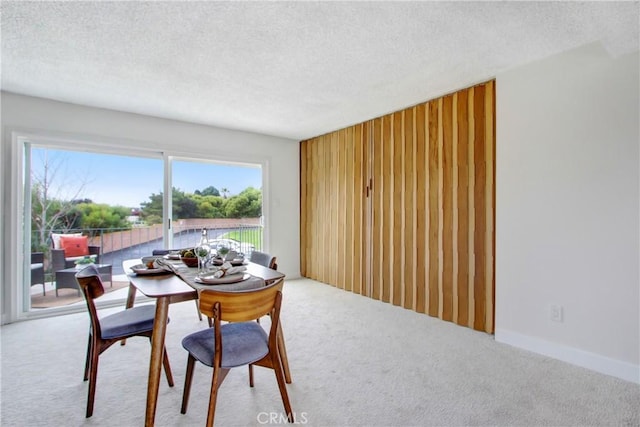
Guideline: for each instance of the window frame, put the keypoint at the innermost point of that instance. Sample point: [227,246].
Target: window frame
[15,232]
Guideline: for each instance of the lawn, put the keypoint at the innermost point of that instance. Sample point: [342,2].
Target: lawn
[253,236]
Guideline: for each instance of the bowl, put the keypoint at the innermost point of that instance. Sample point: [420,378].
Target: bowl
[190,262]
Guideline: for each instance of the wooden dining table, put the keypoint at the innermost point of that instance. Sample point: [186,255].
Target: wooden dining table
[167,289]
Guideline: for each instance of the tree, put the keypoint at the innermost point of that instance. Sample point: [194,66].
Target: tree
[184,206]
[247,204]
[209,191]
[209,206]
[151,211]
[103,216]
[224,192]
[52,195]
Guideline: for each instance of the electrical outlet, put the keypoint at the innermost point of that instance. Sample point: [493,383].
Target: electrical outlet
[555,312]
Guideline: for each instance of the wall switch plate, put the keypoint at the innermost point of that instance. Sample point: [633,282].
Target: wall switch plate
[555,313]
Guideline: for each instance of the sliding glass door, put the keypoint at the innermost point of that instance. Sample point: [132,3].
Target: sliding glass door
[105,204]
[224,199]
[85,206]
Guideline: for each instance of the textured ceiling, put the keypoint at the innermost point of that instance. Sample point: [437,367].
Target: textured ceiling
[290,69]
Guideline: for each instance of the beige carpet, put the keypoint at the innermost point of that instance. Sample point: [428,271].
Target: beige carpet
[354,362]
[67,296]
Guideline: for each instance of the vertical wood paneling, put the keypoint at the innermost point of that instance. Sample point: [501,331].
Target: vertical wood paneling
[397,257]
[348,207]
[447,208]
[387,201]
[377,233]
[434,211]
[479,204]
[358,259]
[421,209]
[409,206]
[425,238]
[490,204]
[462,208]
[341,151]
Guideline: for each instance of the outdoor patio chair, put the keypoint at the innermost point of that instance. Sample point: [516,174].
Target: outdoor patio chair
[240,342]
[104,332]
[61,258]
[37,270]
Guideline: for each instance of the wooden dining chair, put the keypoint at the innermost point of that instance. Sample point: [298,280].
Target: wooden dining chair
[269,261]
[106,331]
[240,342]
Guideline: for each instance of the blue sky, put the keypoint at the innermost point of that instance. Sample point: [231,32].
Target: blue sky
[129,181]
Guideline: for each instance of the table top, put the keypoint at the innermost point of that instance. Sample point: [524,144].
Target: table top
[171,285]
[75,269]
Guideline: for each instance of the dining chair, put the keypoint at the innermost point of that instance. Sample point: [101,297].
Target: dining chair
[240,342]
[37,270]
[106,331]
[269,261]
[263,259]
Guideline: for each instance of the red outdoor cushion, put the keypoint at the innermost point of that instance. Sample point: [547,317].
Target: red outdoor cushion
[74,245]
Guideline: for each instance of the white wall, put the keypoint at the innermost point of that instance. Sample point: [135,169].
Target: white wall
[567,209]
[280,154]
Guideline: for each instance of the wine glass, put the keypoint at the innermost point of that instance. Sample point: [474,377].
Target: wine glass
[202,252]
[223,250]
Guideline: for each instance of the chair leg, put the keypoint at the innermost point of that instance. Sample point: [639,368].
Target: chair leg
[250,375]
[191,361]
[277,368]
[167,367]
[88,360]
[198,310]
[218,376]
[282,350]
[131,299]
[93,375]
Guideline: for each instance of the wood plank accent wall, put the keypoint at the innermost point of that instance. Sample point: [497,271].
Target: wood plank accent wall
[401,208]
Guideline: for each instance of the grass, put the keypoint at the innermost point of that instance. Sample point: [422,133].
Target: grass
[253,237]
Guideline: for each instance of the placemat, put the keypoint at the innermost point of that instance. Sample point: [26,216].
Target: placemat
[188,274]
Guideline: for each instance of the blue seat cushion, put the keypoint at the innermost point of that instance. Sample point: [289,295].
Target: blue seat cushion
[242,343]
[128,322]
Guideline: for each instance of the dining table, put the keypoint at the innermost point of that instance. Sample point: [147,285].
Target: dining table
[178,286]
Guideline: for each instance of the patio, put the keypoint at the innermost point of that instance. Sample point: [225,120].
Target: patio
[70,296]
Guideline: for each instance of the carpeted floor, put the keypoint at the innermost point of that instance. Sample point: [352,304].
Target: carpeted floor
[67,296]
[354,362]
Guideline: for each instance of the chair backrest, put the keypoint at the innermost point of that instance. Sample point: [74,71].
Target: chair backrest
[37,257]
[242,306]
[91,286]
[263,259]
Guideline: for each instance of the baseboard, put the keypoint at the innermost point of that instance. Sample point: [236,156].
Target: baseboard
[595,362]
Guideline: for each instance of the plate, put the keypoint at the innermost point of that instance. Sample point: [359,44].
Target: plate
[232,278]
[142,269]
[235,262]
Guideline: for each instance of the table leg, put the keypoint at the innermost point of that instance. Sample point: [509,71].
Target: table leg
[157,350]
